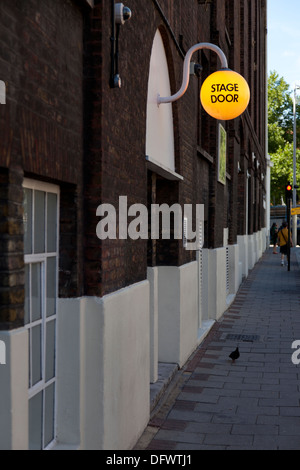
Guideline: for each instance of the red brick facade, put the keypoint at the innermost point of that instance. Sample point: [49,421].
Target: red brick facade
[41,62]
[238,27]
[63,123]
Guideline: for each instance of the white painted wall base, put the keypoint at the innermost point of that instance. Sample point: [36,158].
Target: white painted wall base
[205,285]
[243,254]
[242,258]
[265,239]
[252,257]
[177,312]
[103,348]
[152,275]
[105,361]
[251,249]
[217,283]
[235,277]
[14,391]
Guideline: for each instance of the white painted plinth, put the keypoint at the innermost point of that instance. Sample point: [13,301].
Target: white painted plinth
[14,391]
[177,312]
[103,369]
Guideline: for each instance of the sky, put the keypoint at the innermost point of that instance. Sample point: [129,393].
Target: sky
[284,39]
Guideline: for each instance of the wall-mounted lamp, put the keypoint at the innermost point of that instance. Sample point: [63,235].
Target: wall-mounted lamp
[119,15]
[224,95]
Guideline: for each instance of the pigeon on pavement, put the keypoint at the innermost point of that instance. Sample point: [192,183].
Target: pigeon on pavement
[235,355]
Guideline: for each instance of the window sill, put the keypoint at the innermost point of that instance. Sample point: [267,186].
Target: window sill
[162,170]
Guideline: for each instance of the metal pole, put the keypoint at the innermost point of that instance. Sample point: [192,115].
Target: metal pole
[289,233]
[295,145]
[295,167]
[186,70]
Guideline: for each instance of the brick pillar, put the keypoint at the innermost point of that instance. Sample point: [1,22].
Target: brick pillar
[12,291]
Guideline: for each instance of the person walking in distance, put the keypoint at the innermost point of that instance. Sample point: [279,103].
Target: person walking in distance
[283,235]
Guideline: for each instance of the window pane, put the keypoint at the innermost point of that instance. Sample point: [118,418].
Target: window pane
[51,286]
[27,294]
[50,350]
[35,422]
[49,414]
[36,342]
[51,222]
[27,219]
[36,291]
[39,222]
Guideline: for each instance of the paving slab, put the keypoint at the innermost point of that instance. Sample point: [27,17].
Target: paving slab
[254,403]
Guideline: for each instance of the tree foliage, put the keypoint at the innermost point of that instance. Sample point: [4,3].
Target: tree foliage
[280,129]
[283,172]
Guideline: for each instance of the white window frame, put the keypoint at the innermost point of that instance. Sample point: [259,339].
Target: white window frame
[40,258]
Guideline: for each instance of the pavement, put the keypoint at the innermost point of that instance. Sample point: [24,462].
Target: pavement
[253,403]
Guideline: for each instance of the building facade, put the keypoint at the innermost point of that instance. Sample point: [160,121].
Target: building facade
[90,304]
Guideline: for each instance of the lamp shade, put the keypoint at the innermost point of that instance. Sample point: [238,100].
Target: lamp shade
[225,95]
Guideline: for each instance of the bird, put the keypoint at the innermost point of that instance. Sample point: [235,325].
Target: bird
[235,355]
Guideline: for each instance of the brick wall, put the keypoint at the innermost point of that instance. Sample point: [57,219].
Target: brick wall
[63,123]
[41,51]
[11,248]
[116,125]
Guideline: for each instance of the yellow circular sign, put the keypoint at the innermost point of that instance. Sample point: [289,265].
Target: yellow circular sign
[225,95]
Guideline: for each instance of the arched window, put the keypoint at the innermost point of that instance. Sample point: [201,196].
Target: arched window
[160,131]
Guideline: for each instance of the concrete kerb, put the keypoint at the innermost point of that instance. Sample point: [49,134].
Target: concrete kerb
[166,373]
